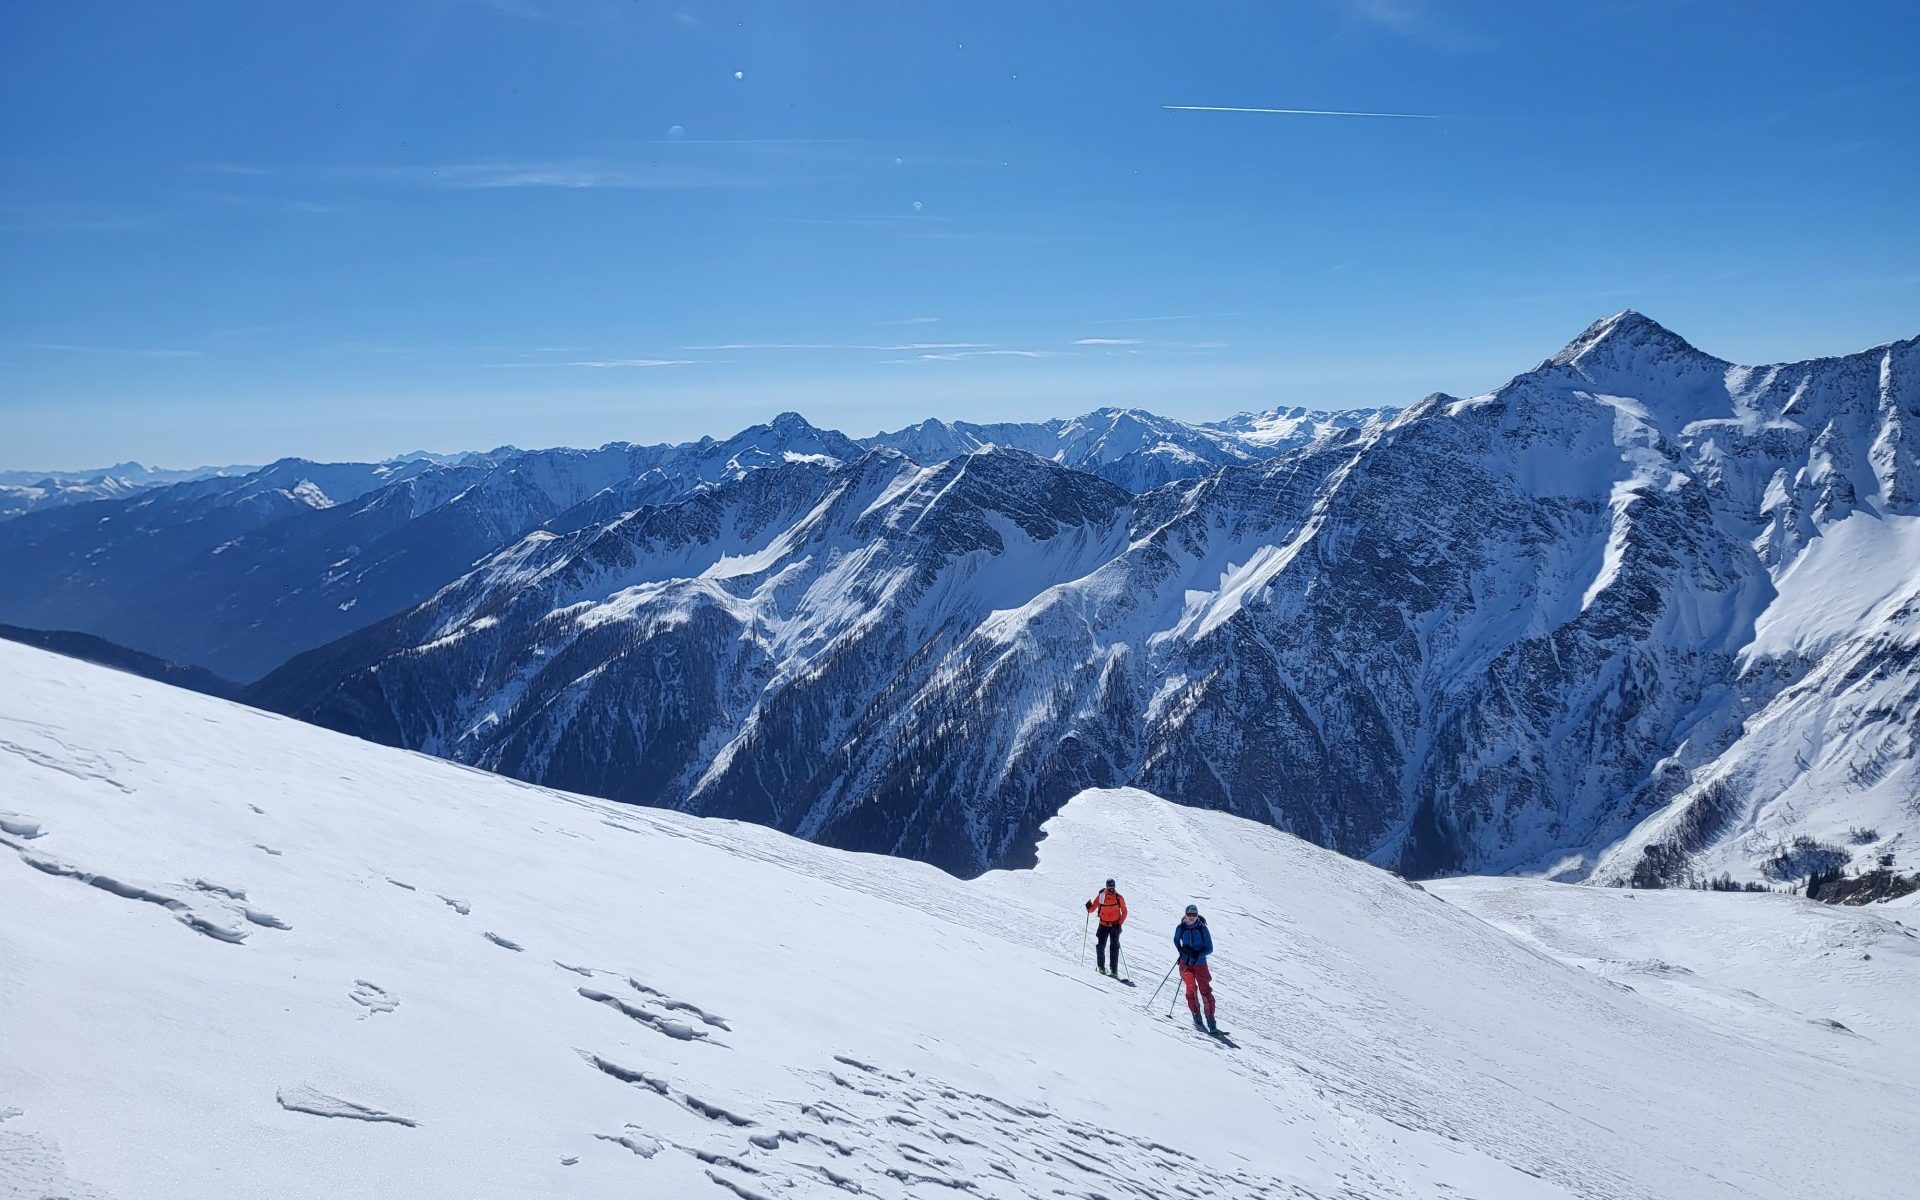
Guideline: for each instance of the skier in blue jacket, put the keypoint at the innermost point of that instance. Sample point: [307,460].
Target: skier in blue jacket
[1194,943]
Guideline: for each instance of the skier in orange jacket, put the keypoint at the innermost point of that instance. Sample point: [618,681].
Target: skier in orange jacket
[1112,908]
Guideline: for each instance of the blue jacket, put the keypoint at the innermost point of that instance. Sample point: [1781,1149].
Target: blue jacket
[1193,942]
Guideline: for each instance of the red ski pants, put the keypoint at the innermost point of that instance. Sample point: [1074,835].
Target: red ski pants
[1197,978]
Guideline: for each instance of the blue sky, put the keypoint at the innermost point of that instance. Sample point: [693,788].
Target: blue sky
[232,231]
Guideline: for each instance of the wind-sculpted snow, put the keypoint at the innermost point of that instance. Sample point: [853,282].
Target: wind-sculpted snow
[303,1098]
[713,1009]
[1596,623]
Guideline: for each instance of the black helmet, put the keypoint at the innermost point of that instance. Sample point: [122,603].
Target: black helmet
[1109,883]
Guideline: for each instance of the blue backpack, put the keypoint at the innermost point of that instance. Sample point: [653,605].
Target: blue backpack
[1194,942]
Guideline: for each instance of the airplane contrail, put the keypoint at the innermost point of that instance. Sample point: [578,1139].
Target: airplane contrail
[1298,112]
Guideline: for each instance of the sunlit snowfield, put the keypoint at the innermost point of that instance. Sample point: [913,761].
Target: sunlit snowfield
[247,957]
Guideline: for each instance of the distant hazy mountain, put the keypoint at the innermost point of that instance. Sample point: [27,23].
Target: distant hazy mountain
[22,492]
[238,574]
[1639,612]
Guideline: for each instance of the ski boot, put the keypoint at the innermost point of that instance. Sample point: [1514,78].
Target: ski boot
[1198,1023]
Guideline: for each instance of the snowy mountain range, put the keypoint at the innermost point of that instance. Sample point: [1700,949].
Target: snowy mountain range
[1135,449]
[1527,631]
[23,492]
[249,957]
[1639,614]
[237,573]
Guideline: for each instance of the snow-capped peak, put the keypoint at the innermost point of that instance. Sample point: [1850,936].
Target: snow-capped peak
[1629,339]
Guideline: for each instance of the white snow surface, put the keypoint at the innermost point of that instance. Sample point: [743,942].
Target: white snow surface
[248,957]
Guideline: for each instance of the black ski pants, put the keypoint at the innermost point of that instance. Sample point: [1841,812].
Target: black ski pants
[1108,933]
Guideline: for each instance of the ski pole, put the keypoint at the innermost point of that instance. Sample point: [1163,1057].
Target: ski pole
[1162,983]
[1083,939]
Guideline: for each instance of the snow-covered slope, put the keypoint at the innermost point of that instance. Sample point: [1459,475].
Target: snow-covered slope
[1823,769]
[87,648]
[1135,449]
[1765,964]
[249,957]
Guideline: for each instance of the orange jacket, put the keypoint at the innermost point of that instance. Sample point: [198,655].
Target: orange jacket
[1111,906]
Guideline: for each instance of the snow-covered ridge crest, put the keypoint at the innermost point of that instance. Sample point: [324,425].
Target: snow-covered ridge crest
[1134,448]
[457,985]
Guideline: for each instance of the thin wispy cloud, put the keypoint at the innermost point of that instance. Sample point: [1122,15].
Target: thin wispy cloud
[913,321]
[641,363]
[767,143]
[1300,112]
[515,8]
[1168,317]
[564,175]
[897,347]
[958,355]
[79,217]
[123,351]
[926,226]
[1416,20]
[676,162]
[525,352]
[269,204]
[610,364]
[1131,345]
[367,348]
